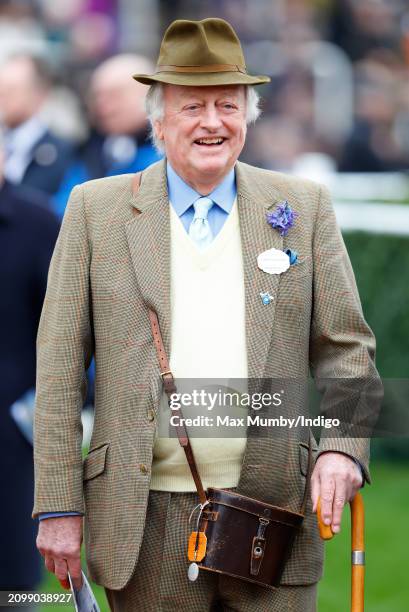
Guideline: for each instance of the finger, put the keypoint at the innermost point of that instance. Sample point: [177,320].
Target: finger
[327,497]
[49,563]
[315,492]
[357,480]
[338,504]
[74,568]
[61,571]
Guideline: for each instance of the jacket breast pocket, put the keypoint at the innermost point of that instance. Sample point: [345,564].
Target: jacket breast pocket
[302,268]
[94,462]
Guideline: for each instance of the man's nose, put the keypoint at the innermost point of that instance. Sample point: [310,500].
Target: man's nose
[210,118]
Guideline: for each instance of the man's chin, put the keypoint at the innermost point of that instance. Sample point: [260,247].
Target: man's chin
[212,166]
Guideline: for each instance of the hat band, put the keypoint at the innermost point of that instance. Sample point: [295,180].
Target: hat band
[208,68]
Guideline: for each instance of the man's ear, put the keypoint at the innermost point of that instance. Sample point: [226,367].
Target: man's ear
[157,126]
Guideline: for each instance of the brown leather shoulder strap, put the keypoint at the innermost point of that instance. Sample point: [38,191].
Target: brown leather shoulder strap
[308,478]
[170,388]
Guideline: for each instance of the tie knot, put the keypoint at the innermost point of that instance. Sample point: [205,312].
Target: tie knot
[202,207]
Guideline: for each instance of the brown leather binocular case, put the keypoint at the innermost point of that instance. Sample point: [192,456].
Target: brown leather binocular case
[246,538]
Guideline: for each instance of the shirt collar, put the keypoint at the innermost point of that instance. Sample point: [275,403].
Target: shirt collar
[182,195]
[23,137]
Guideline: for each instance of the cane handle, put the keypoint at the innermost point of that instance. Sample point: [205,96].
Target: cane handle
[325,530]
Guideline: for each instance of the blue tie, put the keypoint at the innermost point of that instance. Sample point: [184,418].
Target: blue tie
[200,230]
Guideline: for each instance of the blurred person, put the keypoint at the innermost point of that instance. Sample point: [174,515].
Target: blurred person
[372,145]
[185,246]
[93,36]
[20,28]
[16,10]
[28,232]
[118,142]
[35,157]
[361,26]
[276,142]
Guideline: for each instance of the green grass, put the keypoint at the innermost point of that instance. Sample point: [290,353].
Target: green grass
[387,540]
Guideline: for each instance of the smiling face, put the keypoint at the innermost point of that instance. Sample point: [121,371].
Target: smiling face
[203,131]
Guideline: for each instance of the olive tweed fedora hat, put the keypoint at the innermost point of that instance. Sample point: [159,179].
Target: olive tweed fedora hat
[206,52]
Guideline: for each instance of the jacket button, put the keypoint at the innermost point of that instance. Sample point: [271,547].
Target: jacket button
[143,468]
[151,415]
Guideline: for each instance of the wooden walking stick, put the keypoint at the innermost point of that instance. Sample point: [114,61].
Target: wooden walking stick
[358,549]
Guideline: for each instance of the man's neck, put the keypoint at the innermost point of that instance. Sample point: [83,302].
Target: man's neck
[203,186]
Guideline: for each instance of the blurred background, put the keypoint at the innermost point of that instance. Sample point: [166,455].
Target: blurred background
[336,111]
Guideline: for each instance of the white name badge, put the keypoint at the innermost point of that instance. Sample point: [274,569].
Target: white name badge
[273,261]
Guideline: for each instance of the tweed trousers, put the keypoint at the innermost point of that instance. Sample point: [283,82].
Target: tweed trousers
[160,584]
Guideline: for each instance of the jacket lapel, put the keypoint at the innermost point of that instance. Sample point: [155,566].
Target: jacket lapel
[148,235]
[257,236]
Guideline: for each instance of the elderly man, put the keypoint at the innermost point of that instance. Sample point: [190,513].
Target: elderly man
[186,246]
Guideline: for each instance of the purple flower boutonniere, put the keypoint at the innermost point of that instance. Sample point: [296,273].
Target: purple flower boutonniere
[282,218]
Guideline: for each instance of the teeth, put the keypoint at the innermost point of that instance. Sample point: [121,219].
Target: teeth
[210,140]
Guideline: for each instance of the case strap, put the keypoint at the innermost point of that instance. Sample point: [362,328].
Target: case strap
[170,388]
[307,479]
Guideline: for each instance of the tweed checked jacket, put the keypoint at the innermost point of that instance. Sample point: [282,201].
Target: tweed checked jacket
[109,266]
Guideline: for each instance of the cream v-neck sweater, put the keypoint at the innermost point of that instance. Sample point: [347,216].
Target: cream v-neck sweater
[207,342]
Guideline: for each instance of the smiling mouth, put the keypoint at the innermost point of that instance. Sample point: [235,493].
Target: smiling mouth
[210,142]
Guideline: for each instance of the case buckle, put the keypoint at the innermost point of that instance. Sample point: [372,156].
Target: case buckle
[258,547]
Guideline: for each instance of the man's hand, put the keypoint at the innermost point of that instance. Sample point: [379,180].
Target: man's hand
[59,541]
[336,479]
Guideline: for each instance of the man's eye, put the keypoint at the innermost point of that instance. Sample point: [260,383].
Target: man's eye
[192,107]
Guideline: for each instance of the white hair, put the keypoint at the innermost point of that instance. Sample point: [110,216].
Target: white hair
[155,109]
